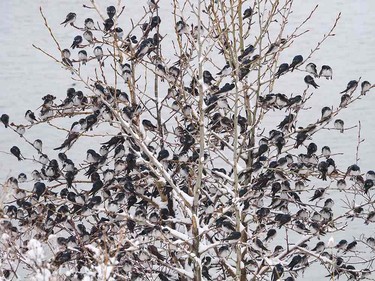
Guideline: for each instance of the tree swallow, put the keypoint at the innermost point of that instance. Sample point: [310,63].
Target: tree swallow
[326,72]
[82,56]
[76,42]
[70,19]
[89,23]
[89,37]
[365,87]
[350,88]
[297,61]
[111,11]
[247,13]
[283,68]
[311,68]
[16,152]
[98,53]
[108,24]
[29,115]
[339,125]
[310,81]
[5,120]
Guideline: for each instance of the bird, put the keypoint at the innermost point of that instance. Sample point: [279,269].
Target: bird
[38,144]
[88,36]
[353,170]
[351,245]
[147,124]
[144,47]
[70,19]
[207,77]
[326,113]
[82,56]
[235,235]
[5,120]
[16,152]
[283,68]
[311,68]
[271,233]
[98,53]
[350,88]
[295,261]
[319,247]
[89,23]
[297,61]
[76,42]
[370,218]
[309,80]
[247,13]
[181,27]
[277,272]
[326,151]
[345,99]
[30,116]
[275,47]
[225,89]
[108,24]
[317,194]
[111,11]
[163,154]
[342,244]
[365,87]
[339,125]
[326,72]
[246,53]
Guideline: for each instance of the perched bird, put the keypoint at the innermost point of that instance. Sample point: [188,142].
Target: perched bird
[271,233]
[311,68]
[38,144]
[70,19]
[98,53]
[82,56]
[295,261]
[283,68]
[225,89]
[235,235]
[326,113]
[147,124]
[351,246]
[88,36]
[108,24]
[89,23]
[76,42]
[353,170]
[297,61]
[342,244]
[345,99]
[317,194]
[163,154]
[277,272]
[309,80]
[16,152]
[319,247]
[29,115]
[5,120]
[181,27]
[326,72]
[275,47]
[246,53]
[226,70]
[247,13]
[111,11]
[144,48]
[207,77]
[350,88]
[365,87]
[339,125]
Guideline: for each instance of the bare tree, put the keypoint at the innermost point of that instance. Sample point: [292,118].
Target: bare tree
[192,174]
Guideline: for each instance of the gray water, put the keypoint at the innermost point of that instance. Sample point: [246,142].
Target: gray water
[26,74]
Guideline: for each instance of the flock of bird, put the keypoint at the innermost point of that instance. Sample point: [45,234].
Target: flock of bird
[137,218]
